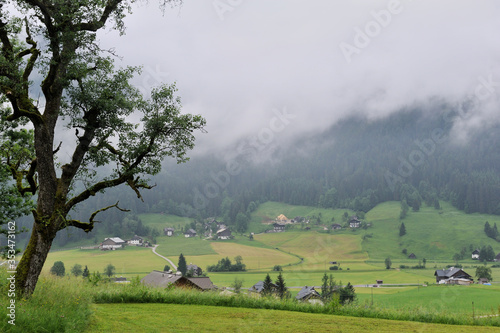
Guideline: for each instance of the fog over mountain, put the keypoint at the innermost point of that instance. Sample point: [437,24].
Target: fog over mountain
[239,63]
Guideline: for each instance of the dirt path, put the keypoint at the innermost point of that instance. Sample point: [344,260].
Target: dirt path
[169,261]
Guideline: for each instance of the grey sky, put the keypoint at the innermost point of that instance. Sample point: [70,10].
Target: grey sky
[236,60]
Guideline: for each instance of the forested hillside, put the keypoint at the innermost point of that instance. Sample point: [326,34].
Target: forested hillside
[411,156]
[356,164]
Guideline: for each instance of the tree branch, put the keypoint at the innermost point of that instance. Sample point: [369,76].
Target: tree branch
[111,6]
[88,226]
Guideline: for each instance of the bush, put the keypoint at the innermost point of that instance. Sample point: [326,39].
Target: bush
[277,268]
[334,268]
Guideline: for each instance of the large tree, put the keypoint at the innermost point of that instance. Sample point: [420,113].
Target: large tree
[61,82]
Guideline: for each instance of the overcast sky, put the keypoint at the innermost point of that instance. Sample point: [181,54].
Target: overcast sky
[241,62]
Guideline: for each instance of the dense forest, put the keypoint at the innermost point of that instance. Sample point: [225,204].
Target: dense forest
[410,156]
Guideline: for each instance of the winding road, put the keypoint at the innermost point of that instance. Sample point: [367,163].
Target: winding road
[159,255]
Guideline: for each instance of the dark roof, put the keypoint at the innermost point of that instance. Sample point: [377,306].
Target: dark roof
[190,232]
[120,279]
[192,266]
[475,252]
[412,256]
[160,279]
[498,257]
[136,238]
[306,293]
[202,282]
[224,232]
[163,279]
[259,286]
[279,225]
[169,229]
[452,272]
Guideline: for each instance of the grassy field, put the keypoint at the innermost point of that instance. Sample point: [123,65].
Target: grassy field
[316,249]
[130,261]
[430,233]
[454,299]
[194,318]
[254,258]
[161,221]
[174,246]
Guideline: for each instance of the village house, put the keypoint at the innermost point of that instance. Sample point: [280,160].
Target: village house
[120,279]
[412,256]
[336,226]
[482,281]
[224,234]
[452,276]
[354,222]
[220,225]
[475,255]
[136,240]
[163,280]
[112,243]
[259,286]
[282,218]
[190,233]
[497,258]
[193,270]
[169,232]
[279,227]
[307,293]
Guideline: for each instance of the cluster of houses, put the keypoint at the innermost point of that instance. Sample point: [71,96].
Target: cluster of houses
[282,221]
[113,243]
[203,283]
[222,232]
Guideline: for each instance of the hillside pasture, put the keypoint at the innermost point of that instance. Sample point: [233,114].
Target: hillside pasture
[430,233]
[174,246]
[317,249]
[270,210]
[161,221]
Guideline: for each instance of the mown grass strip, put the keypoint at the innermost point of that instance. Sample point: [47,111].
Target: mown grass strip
[197,318]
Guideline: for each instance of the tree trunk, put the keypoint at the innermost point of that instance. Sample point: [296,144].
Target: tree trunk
[31,263]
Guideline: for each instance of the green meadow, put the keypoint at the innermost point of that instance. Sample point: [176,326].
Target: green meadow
[430,233]
[437,298]
[130,261]
[161,221]
[195,318]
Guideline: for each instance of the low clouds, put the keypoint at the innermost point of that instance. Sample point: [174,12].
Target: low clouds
[236,61]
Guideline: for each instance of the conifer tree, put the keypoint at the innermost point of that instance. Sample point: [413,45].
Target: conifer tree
[268,287]
[86,272]
[182,266]
[281,289]
[402,230]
